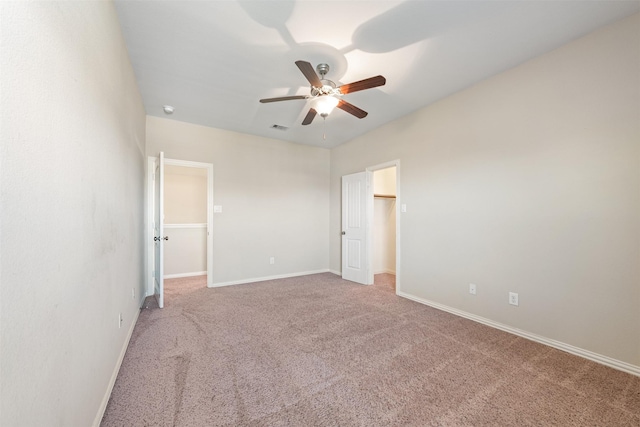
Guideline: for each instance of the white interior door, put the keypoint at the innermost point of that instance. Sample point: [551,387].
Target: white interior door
[158,231]
[355,209]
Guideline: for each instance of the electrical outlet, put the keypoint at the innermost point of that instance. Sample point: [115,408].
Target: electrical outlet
[472,288]
[119,320]
[513,298]
[272,260]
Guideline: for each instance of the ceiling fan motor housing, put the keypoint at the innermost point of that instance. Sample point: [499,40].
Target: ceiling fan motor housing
[328,88]
[322,69]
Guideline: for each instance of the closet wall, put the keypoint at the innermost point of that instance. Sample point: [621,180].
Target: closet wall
[185,221]
[384,221]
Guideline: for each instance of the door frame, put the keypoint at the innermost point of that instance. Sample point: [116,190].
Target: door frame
[372,169]
[149,261]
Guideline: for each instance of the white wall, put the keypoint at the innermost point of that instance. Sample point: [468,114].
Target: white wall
[384,181]
[185,253]
[73,131]
[274,196]
[185,195]
[384,236]
[527,182]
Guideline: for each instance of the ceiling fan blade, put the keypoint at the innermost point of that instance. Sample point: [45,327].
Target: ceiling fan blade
[309,73]
[352,109]
[309,117]
[284,98]
[363,84]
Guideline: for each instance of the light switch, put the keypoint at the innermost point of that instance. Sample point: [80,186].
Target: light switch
[217,208]
[403,207]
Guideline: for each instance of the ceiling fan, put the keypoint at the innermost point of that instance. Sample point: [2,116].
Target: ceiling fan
[325,95]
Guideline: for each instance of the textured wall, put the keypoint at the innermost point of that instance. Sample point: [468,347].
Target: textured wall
[527,182]
[72,170]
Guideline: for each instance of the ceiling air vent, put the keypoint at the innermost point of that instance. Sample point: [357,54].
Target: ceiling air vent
[279,127]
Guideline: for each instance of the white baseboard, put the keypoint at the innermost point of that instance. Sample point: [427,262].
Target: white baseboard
[177,276]
[263,279]
[114,375]
[339,273]
[595,357]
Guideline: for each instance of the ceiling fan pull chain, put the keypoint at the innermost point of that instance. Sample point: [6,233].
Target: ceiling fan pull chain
[324,123]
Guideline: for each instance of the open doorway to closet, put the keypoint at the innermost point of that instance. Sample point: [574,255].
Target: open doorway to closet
[384,221]
[371,225]
[384,227]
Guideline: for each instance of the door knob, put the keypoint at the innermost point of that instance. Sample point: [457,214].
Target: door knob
[344,232]
[166,237]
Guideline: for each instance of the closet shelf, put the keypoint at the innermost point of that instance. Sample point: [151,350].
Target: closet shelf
[384,196]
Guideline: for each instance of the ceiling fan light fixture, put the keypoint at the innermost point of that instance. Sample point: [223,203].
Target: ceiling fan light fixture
[324,105]
[325,95]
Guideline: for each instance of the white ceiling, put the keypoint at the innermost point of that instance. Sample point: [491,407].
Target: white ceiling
[213,60]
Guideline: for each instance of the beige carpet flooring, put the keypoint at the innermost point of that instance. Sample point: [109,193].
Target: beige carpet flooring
[320,351]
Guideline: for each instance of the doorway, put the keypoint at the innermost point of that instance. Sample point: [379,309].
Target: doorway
[185,225]
[187,222]
[362,257]
[384,228]
[384,221]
